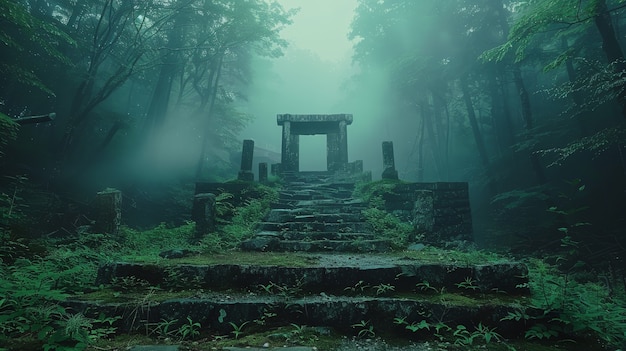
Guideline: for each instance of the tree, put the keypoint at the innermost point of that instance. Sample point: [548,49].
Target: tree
[27,43]
[120,39]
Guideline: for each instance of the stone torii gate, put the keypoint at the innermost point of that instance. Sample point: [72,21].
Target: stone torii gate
[334,126]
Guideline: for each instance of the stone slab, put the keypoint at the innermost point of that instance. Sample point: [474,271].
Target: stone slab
[330,273]
[252,348]
[338,312]
[155,348]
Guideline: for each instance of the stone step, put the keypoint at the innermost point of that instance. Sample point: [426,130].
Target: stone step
[216,312]
[291,243]
[329,273]
[316,227]
[302,215]
[342,246]
[323,236]
[315,235]
[317,209]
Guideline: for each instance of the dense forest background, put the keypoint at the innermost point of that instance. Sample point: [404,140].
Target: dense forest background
[525,100]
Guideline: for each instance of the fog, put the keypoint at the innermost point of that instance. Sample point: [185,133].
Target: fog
[314,76]
[464,94]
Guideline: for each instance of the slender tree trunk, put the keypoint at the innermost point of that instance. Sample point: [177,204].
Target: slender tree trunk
[170,67]
[214,85]
[420,149]
[527,116]
[577,96]
[478,137]
[612,49]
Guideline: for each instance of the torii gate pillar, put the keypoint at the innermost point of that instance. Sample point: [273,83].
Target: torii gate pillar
[335,128]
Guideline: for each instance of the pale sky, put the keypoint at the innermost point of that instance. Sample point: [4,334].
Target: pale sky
[321,26]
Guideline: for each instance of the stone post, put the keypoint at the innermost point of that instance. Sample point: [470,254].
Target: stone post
[263,172]
[389,164]
[343,143]
[290,153]
[332,152]
[203,213]
[108,206]
[245,173]
[275,169]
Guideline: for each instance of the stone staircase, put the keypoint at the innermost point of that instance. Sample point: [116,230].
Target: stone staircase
[314,262]
[316,213]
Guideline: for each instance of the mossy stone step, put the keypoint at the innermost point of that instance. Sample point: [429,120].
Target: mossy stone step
[284,215]
[321,236]
[316,227]
[342,246]
[215,313]
[279,243]
[330,273]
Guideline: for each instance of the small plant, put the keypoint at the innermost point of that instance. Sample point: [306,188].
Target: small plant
[365,329]
[468,284]
[541,331]
[189,330]
[462,336]
[426,287]
[265,317]
[414,327]
[439,327]
[359,287]
[486,334]
[382,289]
[163,329]
[237,329]
[400,320]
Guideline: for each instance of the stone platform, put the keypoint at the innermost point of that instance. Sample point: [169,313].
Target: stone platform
[331,290]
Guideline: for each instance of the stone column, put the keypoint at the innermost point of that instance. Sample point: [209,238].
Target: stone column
[203,213]
[332,151]
[389,164]
[275,169]
[245,173]
[343,143]
[108,211]
[290,155]
[263,172]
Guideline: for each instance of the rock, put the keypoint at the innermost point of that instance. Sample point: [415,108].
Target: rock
[416,247]
[155,348]
[260,243]
[176,253]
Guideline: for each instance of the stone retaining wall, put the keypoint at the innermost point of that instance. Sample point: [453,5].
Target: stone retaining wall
[440,211]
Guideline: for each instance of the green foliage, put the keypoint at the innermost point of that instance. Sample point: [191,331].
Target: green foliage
[238,222]
[8,131]
[151,242]
[29,296]
[559,17]
[467,284]
[237,329]
[12,204]
[571,307]
[514,199]
[389,226]
[596,145]
[364,329]
[189,330]
[26,35]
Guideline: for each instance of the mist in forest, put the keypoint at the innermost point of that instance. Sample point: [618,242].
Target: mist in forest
[151,96]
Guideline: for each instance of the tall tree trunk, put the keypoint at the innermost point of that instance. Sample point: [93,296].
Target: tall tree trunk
[611,48]
[214,86]
[524,97]
[420,149]
[170,67]
[577,96]
[527,116]
[478,137]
